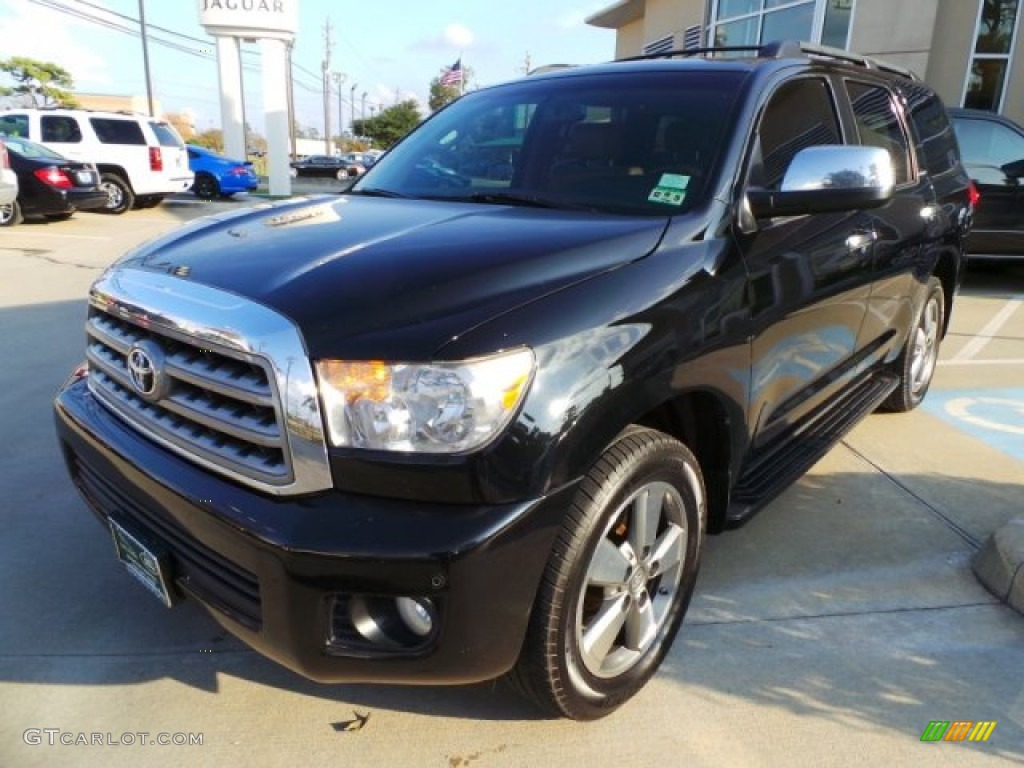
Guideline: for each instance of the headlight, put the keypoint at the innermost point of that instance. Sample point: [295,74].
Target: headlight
[423,408]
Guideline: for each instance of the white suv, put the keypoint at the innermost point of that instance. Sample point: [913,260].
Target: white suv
[141,159]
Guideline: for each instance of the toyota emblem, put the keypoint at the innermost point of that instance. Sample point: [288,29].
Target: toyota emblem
[145,368]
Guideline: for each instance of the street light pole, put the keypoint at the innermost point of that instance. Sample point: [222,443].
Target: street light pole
[145,56]
[362,110]
[352,102]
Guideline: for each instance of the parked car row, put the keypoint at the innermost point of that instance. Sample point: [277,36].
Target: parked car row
[48,184]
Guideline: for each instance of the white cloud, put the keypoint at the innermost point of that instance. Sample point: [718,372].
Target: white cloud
[458,36]
[45,35]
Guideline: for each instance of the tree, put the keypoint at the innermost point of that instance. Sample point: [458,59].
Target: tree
[390,124]
[44,82]
[211,139]
[441,94]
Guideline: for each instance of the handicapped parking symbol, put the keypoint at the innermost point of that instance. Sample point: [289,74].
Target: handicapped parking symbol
[1002,414]
[995,416]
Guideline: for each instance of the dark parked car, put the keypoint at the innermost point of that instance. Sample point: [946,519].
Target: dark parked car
[457,423]
[49,184]
[993,153]
[328,166]
[219,176]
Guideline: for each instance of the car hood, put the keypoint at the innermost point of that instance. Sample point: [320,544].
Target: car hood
[391,278]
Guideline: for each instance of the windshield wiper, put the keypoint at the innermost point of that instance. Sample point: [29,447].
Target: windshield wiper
[513,198]
[375,192]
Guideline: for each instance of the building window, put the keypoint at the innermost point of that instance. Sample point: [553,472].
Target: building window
[756,22]
[993,49]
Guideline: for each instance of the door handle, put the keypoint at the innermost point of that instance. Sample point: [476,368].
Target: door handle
[861,239]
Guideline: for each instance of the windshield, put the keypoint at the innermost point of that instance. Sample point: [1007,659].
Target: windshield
[630,143]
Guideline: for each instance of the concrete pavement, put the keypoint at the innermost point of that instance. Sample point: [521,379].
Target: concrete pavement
[831,630]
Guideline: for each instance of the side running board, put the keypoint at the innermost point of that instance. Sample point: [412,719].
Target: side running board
[773,469]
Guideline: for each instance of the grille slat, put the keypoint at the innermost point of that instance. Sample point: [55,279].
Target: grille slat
[217,407]
[215,580]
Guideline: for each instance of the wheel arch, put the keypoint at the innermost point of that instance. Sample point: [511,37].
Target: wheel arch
[949,269]
[118,170]
[700,420]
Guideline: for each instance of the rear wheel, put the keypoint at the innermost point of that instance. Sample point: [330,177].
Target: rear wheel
[119,193]
[619,579]
[10,214]
[916,364]
[205,186]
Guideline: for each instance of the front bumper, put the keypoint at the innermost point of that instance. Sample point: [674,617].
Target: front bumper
[270,569]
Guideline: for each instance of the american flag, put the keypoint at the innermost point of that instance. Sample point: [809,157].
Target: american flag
[453,74]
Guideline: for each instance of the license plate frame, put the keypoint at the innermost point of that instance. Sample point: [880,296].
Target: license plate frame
[149,563]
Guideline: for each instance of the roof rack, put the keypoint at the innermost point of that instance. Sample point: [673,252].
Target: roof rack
[785,49]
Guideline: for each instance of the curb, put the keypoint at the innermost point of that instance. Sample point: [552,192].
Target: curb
[999,565]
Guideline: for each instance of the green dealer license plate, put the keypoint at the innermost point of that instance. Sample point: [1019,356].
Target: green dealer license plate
[145,562]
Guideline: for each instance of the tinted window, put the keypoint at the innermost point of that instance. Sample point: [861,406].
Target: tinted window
[799,115]
[628,143]
[60,128]
[113,131]
[878,125]
[986,142]
[166,135]
[934,133]
[14,125]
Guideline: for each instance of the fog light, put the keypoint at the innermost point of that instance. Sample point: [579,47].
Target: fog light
[417,614]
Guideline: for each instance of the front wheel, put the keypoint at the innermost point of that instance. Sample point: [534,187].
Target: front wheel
[916,364]
[619,578]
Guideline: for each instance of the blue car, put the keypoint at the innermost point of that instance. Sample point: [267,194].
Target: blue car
[219,176]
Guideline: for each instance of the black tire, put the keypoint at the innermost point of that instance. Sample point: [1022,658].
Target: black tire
[916,363]
[205,187]
[10,215]
[120,197]
[143,202]
[569,667]
[59,216]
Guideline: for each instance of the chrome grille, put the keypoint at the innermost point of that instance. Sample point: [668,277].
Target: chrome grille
[219,405]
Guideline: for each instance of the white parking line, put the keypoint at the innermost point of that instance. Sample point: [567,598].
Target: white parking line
[997,361]
[54,234]
[985,335]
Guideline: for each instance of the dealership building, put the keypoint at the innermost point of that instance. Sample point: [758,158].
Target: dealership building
[966,49]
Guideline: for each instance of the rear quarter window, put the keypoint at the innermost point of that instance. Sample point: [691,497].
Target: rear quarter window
[60,128]
[166,135]
[115,131]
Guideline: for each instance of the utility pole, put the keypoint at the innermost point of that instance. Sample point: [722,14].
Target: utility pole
[352,103]
[362,109]
[328,45]
[339,78]
[145,56]
[526,64]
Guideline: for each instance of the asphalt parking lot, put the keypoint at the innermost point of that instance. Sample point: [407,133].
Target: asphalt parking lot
[831,630]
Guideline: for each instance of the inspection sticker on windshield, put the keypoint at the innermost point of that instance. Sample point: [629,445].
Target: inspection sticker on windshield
[671,189]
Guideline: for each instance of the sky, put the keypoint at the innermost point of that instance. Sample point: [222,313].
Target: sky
[388,49]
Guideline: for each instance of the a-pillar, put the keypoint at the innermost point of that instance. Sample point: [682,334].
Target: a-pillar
[229,71]
[275,110]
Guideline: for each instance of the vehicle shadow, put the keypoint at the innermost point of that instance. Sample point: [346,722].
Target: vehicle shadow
[801,611]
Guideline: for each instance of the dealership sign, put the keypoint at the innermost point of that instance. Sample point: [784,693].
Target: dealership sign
[250,18]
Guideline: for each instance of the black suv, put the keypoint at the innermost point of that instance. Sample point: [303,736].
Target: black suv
[476,415]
